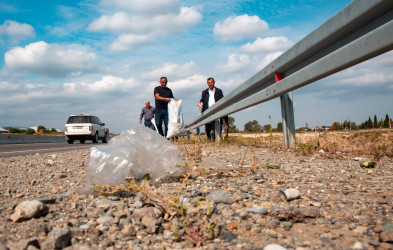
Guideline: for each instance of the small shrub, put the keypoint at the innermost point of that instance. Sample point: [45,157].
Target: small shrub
[30,131]
[14,131]
[305,148]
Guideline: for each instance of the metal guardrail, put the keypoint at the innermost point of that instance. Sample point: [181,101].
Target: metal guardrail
[360,31]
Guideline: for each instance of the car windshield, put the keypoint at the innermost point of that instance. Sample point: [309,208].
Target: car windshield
[79,119]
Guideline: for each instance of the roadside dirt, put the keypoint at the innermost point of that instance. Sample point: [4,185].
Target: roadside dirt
[230,199]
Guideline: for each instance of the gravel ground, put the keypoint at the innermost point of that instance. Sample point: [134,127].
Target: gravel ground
[230,200]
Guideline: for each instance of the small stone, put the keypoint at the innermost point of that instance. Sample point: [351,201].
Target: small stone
[220,197]
[20,195]
[128,230]
[149,212]
[229,236]
[386,237]
[149,221]
[274,247]
[58,238]
[105,220]
[120,214]
[352,226]
[257,210]
[387,227]
[357,245]
[360,230]
[310,212]
[243,215]
[288,214]
[27,210]
[287,225]
[324,239]
[84,226]
[105,203]
[273,234]
[124,221]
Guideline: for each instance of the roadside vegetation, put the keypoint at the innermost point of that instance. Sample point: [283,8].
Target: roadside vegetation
[254,126]
[41,130]
[375,143]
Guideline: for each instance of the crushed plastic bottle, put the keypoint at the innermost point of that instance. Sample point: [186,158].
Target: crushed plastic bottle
[133,153]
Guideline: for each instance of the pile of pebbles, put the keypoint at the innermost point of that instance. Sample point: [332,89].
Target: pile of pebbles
[231,200]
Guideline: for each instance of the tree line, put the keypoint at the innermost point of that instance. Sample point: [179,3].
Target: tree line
[369,123]
[254,126]
[40,130]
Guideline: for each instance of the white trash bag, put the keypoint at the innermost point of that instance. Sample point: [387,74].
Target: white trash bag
[133,153]
[175,119]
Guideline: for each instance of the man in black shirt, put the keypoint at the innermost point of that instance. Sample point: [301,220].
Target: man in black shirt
[162,95]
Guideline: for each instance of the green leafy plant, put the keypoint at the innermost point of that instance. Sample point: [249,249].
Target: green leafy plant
[146,177]
[272,166]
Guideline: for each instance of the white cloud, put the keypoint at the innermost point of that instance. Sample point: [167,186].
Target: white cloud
[130,41]
[164,24]
[139,28]
[240,27]
[110,83]
[6,86]
[196,81]
[50,59]
[119,22]
[236,63]
[171,70]
[16,31]
[261,62]
[367,79]
[268,44]
[106,84]
[151,7]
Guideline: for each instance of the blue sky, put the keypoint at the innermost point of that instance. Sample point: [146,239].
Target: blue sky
[105,58]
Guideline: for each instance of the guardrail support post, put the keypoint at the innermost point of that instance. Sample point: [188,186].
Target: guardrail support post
[217,130]
[288,121]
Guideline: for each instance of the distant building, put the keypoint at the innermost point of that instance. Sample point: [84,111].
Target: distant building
[2,130]
[35,128]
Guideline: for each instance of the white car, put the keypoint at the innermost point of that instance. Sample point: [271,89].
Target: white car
[85,127]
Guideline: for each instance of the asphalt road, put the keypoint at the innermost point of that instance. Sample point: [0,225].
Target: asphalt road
[32,148]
